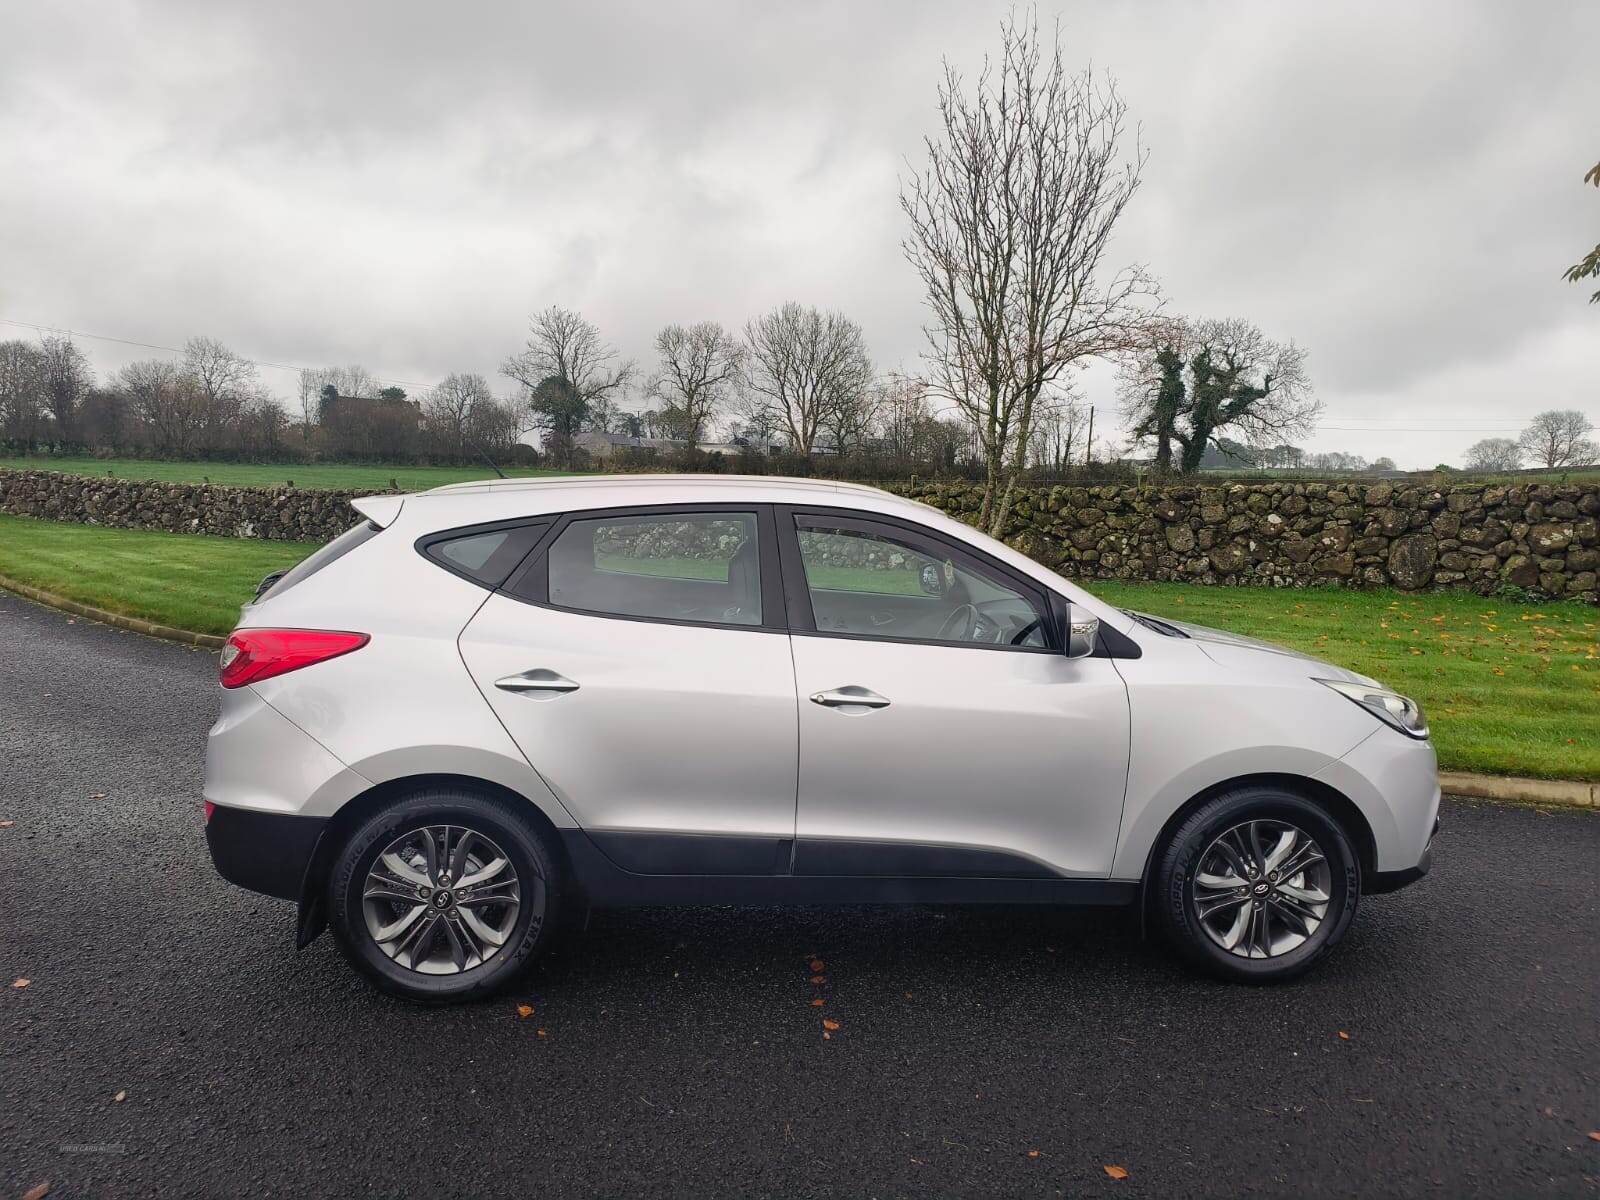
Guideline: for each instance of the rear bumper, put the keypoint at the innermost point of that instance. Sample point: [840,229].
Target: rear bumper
[264,851]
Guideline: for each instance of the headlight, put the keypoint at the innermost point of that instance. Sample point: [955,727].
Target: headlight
[1404,713]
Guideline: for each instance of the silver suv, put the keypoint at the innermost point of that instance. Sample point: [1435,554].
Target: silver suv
[490,702]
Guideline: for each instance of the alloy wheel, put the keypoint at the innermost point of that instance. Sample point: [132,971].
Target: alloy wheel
[442,899]
[1262,889]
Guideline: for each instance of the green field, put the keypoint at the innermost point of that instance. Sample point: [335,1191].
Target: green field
[332,476]
[1509,688]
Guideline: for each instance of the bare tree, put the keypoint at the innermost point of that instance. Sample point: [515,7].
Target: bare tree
[1059,431]
[21,394]
[164,397]
[1185,383]
[565,369]
[700,366]
[67,377]
[226,384]
[451,409]
[1010,221]
[802,362]
[1588,267]
[1494,454]
[1560,438]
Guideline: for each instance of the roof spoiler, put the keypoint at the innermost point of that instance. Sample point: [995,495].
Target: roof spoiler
[380,510]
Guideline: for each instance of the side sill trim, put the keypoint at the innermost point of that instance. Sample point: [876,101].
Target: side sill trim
[605,885]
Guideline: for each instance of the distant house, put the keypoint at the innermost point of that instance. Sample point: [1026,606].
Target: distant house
[601,446]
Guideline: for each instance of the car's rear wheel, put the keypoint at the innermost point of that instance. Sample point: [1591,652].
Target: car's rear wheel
[446,895]
[1257,885]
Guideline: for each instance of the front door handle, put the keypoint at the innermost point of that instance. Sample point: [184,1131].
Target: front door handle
[536,682]
[849,696]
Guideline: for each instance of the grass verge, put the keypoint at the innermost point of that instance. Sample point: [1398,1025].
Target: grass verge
[331,476]
[188,581]
[1510,689]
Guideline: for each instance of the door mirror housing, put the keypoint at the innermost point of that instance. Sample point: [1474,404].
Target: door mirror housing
[1078,631]
[1083,632]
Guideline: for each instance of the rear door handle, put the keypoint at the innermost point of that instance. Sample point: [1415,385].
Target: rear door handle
[536,682]
[849,696]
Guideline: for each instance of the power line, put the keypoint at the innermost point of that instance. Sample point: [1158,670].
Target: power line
[259,362]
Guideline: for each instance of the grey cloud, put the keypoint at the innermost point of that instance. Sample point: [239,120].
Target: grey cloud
[1395,186]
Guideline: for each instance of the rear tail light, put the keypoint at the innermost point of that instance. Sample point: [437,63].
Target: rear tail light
[210,808]
[252,655]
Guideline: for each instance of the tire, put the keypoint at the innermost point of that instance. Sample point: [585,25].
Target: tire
[447,953]
[1199,904]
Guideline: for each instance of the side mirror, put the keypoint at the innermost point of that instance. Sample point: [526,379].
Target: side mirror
[932,580]
[1079,630]
[1083,632]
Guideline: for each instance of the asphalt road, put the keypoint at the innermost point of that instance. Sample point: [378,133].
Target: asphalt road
[979,1051]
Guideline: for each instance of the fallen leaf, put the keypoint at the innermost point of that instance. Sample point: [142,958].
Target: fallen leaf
[543,1032]
[524,1011]
[827,1037]
[819,979]
[816,965]
[119,1097]
[1343,1036]
[1033,1154]
[829,1025]
[97,795]
[1594,1135]
[20,983]
[6,824]
[818,1002]
[37,1192]
[1115,1171]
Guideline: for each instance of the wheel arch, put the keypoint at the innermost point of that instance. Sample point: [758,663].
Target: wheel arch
[1339,806]
[313,917]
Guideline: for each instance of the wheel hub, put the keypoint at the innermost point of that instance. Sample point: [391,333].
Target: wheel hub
[1261,889]
[442,899]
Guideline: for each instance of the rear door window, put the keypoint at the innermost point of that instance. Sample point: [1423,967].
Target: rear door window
[702,567]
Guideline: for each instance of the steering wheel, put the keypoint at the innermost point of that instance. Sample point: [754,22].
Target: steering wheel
[1022,634]
[959,625]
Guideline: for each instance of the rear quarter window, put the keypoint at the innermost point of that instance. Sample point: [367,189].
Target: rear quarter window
[485,554]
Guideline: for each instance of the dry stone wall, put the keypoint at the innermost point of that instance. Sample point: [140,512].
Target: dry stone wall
[1540,538]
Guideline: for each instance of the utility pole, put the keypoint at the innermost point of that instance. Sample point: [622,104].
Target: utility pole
[1088,451]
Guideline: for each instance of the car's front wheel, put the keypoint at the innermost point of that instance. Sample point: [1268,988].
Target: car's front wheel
[444,896]
[1257,885]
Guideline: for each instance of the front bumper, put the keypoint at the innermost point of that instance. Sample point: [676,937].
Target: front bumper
[1392,881]
[266,852]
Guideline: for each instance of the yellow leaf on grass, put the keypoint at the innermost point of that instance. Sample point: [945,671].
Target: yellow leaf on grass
[524,1011]
[1116,1172]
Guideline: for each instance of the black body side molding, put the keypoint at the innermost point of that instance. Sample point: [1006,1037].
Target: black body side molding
[607,885]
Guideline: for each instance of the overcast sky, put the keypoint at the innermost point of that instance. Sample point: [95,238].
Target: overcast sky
[1396,186]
